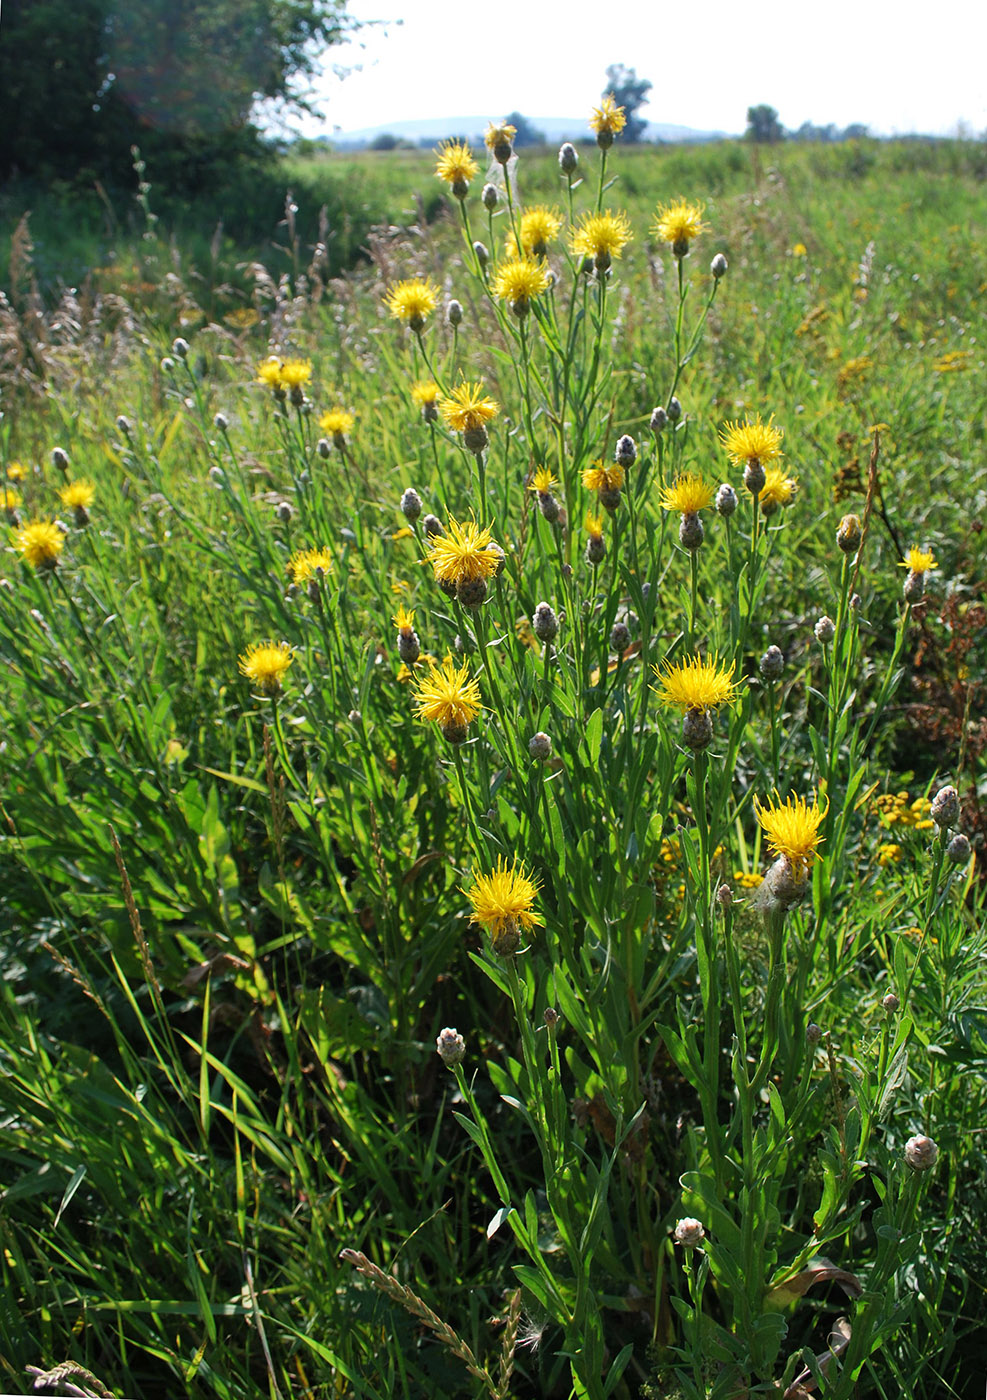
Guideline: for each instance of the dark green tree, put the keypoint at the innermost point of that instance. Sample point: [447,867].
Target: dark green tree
[527,135]
[630,92]
[83,80]
[763,125]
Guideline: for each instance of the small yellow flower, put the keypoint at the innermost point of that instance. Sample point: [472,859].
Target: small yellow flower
[499,136]
[77,495]
[456,165]
[404,619]
[778,490]
[40,542]
[747,879]
[295,374]
[462,554]
[269,373]
[336,424]
[466,409]
[601,236]
[542,480]
[601,477]
[241,318]
[919,561]
[308,563]
[16,471]
[593,525]
[519,280]
[889,853]
[792,829]
[503,904]
[424,393]
[688,494]
[608,119]
[540,226]
[10,500]
[799,251]
[264,665]
[449,697]
[752,442]
[412,302]
[678,224]
[696,684]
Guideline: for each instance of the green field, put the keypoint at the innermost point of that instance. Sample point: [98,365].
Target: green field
[712,955]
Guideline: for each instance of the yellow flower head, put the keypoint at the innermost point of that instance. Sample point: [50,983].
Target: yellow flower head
[295,374]
[269,373]
[10,499]
[336,424]
[449,697]
[519,280]
[40,542]
[543,480]
[678,224]
[77,495]
[503,904]
[792,829]
[778,490]
[608,118]
[424,393]
[456,164]
[308,563]
[688,494]
[599,477]
[264,665]
[593,525]
[16,471]
[499,135]
[919,561]
[540,226]
[462,554]
[696,684]
[241,318]
[466,408]
[412,302]
[404,619]
[601,236]
[752,442]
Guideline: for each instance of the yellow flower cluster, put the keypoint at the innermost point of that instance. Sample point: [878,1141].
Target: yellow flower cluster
[898,809]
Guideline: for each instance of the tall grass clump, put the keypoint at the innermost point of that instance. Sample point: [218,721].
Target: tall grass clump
[491,790]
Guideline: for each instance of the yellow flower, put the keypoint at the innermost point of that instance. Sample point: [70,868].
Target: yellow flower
[792,829]
[919,561]
[497,137]
[539,227]
[519,280]
[264,665]
[747,879]
[696,684]
[601,236]
[424,393]
[404,619]
[307,563]
[412,302]
[542,480]
[503,904]
[10,500]
[16,471]
[778,490]
[465,410]
[40,542]
[295,374]
[456,165]
[598,477]
[608,119]
[688,494]
[889,853]
[336,424]
[593,525]
[448,696]
[242,317]
[77,495]
[269,373]
[678,224]
[752,442]
[799,251]
[462,554]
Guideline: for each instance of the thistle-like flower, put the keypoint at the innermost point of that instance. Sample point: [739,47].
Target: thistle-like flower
[540,226]
[753,445]
[448,696]
[40,542]
[499,141]
[698,686]
[456,166]
[678,224]
[309,564]
[778,490]
[918,562]
[518,281]
[601,237]
[409,646]
[264,664]
[337,423]
[607,120]
[793,836]
[463,559]
[467,410]
[412,301]
[503,904]
[425,394]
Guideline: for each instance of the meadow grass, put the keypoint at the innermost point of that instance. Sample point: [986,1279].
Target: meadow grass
[656,860]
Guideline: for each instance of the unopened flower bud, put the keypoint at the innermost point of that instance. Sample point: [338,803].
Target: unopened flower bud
[620,637]
[471,592]
[217,475]
[692,532]
[689,1232]
[626,451]
[596,550]
[825,630]
[454,313]
[283,512]
[355,717]
[659,420]
[551,1017]
[540,746]
[724,897]
[959,849]
[179,347]
[697,729]
[568,158]
[813,1033]
[890,1003]
[609,498]
[411,504]
[476,439]
[60,459]
[674,410]
[482,253]
[921,1153]
[718,266]
[495,549]
[167,364]
[754,477]
[914,587]
[432,526]
[544,623]
[124,425]
[772,664]
[945,809]
[409,647]
[849,534]
[451,1047]
[324,448]
[548,506]
[490,196]
[726,500]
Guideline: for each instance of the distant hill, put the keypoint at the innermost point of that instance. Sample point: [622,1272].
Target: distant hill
[556,129]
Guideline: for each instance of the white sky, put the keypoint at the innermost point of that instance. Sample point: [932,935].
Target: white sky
[897,67]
